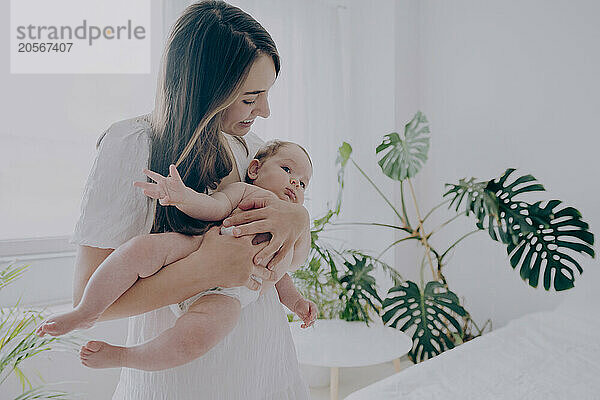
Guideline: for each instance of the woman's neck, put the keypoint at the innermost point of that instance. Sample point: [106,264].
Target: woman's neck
[234,175]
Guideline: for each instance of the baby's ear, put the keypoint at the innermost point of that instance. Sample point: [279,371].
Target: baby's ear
[253,169]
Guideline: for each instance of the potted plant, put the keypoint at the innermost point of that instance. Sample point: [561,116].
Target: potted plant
[542,240]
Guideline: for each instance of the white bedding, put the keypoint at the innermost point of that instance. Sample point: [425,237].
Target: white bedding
[542,356]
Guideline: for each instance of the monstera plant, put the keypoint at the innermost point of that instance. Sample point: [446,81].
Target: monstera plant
[542,240]
[340,280]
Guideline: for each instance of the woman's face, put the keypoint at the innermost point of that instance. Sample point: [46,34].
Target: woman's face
[253,101]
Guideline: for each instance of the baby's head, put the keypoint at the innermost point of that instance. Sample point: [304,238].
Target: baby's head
[283,168]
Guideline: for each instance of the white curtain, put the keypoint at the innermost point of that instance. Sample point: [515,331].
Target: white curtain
[336,84]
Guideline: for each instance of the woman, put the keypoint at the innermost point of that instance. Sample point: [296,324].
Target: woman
[218,66]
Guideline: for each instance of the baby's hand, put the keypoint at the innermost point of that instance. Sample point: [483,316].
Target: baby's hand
[307,311]
[170,190]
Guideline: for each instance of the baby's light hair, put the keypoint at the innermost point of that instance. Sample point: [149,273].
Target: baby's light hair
[270,149]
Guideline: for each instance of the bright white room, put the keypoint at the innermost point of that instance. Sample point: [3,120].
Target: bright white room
[414,289]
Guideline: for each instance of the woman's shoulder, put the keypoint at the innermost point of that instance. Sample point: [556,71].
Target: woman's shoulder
[124,147]
[128,133]
[254,142]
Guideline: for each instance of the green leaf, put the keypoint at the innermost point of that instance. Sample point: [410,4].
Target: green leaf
[512,217]
[360,290]
[430,313]
[19,343]
[405,156]
[11,273]
[316,283]
[344,152]
[482,203]
[41,393]
[541,241]
[550,246]
[320,223]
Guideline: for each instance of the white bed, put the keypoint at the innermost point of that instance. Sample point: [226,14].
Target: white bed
[541,356]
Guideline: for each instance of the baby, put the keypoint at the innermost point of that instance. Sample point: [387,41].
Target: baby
[280,169]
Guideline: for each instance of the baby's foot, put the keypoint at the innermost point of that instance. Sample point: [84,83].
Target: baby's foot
[97,354]
[64,323]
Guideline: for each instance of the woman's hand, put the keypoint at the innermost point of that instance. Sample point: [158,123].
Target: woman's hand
[169,191]
[232,259]
[287,222]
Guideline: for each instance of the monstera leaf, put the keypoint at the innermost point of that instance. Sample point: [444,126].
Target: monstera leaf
[547,246]
[494,203]
[536,237]
[429,312]
[405,156]
[359,287]
[479,202]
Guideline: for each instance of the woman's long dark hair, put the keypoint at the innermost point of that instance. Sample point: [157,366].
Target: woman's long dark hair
[207,58]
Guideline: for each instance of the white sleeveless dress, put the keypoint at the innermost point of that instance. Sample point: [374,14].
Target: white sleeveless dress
[257,360]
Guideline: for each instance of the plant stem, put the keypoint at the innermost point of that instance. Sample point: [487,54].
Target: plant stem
[420,229]
[395,243]
[480,331]
[372,224]
[445,223]
[435,208]
[458,241]
[403,204]
[332,238]
[421,272]
[379,191]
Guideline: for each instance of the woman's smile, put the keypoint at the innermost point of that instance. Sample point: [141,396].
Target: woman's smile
[247,123]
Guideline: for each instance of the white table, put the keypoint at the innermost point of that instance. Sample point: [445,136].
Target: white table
[335,344]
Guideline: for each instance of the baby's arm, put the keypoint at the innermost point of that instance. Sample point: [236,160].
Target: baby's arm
[288,294]
[292,299]
[301,250]
[171,191]
[215,207]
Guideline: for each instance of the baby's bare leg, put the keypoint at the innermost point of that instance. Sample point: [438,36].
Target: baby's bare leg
[197,331]
[140,257]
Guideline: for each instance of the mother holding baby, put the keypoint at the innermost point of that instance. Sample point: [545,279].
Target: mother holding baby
[218,67]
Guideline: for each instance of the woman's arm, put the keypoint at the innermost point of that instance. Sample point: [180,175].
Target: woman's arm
[220,261]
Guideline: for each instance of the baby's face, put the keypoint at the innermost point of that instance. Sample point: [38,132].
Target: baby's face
[286,173]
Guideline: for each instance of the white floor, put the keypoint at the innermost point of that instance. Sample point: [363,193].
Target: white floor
[352,379]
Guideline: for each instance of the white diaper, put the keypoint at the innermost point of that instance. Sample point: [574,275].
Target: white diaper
[244,295]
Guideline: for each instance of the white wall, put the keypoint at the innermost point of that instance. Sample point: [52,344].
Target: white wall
[505,84]
[50,124]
